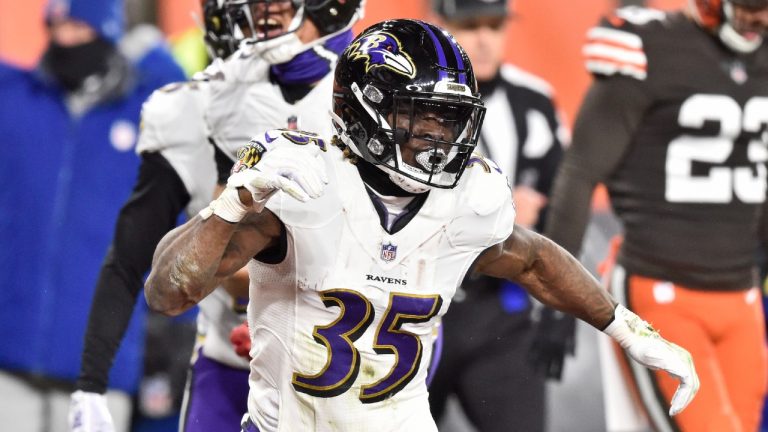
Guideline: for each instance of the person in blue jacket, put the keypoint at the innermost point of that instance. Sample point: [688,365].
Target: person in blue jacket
[67,132]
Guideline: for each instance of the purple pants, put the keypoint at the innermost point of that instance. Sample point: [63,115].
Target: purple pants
[217,397]
[248,426]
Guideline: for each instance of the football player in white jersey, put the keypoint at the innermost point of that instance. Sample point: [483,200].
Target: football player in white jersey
[280,78]
[369,234]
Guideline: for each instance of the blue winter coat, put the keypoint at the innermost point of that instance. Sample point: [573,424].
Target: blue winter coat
[64,179]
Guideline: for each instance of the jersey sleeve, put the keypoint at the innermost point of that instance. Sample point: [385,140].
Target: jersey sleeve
[615,46]
[486,212]
[172,124]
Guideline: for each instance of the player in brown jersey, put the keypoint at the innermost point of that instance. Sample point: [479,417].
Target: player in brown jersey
[675,126]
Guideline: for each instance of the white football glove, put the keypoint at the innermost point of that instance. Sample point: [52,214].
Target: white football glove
[88,413]
[644,344]
[297,170]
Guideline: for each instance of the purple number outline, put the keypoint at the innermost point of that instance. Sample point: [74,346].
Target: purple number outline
[406,346]
[355,317]
[303,138]
[338,337]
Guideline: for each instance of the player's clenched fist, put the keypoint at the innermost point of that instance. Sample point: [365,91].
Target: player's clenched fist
[290,161]
[298,171]
[644,344]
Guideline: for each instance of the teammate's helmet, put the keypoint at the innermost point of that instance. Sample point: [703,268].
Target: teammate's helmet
[219,40]
[329,16]
[394,74]
[717,15]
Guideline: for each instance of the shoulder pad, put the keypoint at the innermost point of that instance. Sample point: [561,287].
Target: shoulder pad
[213,72]
[486,213]
[615,46]
[173,116]
[487,186]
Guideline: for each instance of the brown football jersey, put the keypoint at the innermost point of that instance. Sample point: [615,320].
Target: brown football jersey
[689,186]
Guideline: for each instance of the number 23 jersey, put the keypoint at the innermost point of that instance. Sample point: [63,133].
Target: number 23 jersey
[690,184]
[342,327]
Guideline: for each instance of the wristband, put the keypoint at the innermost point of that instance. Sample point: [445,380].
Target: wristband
[626,325]
[227,206]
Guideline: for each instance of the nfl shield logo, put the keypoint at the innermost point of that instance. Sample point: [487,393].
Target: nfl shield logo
[738,72]
[293,123]
[388,252]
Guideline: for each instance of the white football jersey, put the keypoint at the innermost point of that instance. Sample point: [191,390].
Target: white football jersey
[228,103]
[173,125]
[246,103]
[342,328]
[242,103]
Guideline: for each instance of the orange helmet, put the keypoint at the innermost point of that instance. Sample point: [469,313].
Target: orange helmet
[717,16]
[708,13]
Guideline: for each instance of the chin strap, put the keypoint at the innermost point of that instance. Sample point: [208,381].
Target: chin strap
[732,38]
[284,48]
[404,182]
[278,50]
[735,41]
[407,184]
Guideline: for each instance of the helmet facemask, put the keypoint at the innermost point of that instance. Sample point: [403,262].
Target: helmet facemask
[732,33]
[263,20]
[267,32]
[421,139]
[719,17]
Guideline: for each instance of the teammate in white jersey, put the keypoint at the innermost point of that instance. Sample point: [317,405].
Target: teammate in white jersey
[280,78]
[371,232]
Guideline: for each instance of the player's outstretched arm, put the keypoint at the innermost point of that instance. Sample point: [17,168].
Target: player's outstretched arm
[557,279]
[550,274]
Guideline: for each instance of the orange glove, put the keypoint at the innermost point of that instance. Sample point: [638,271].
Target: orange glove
[241,340]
